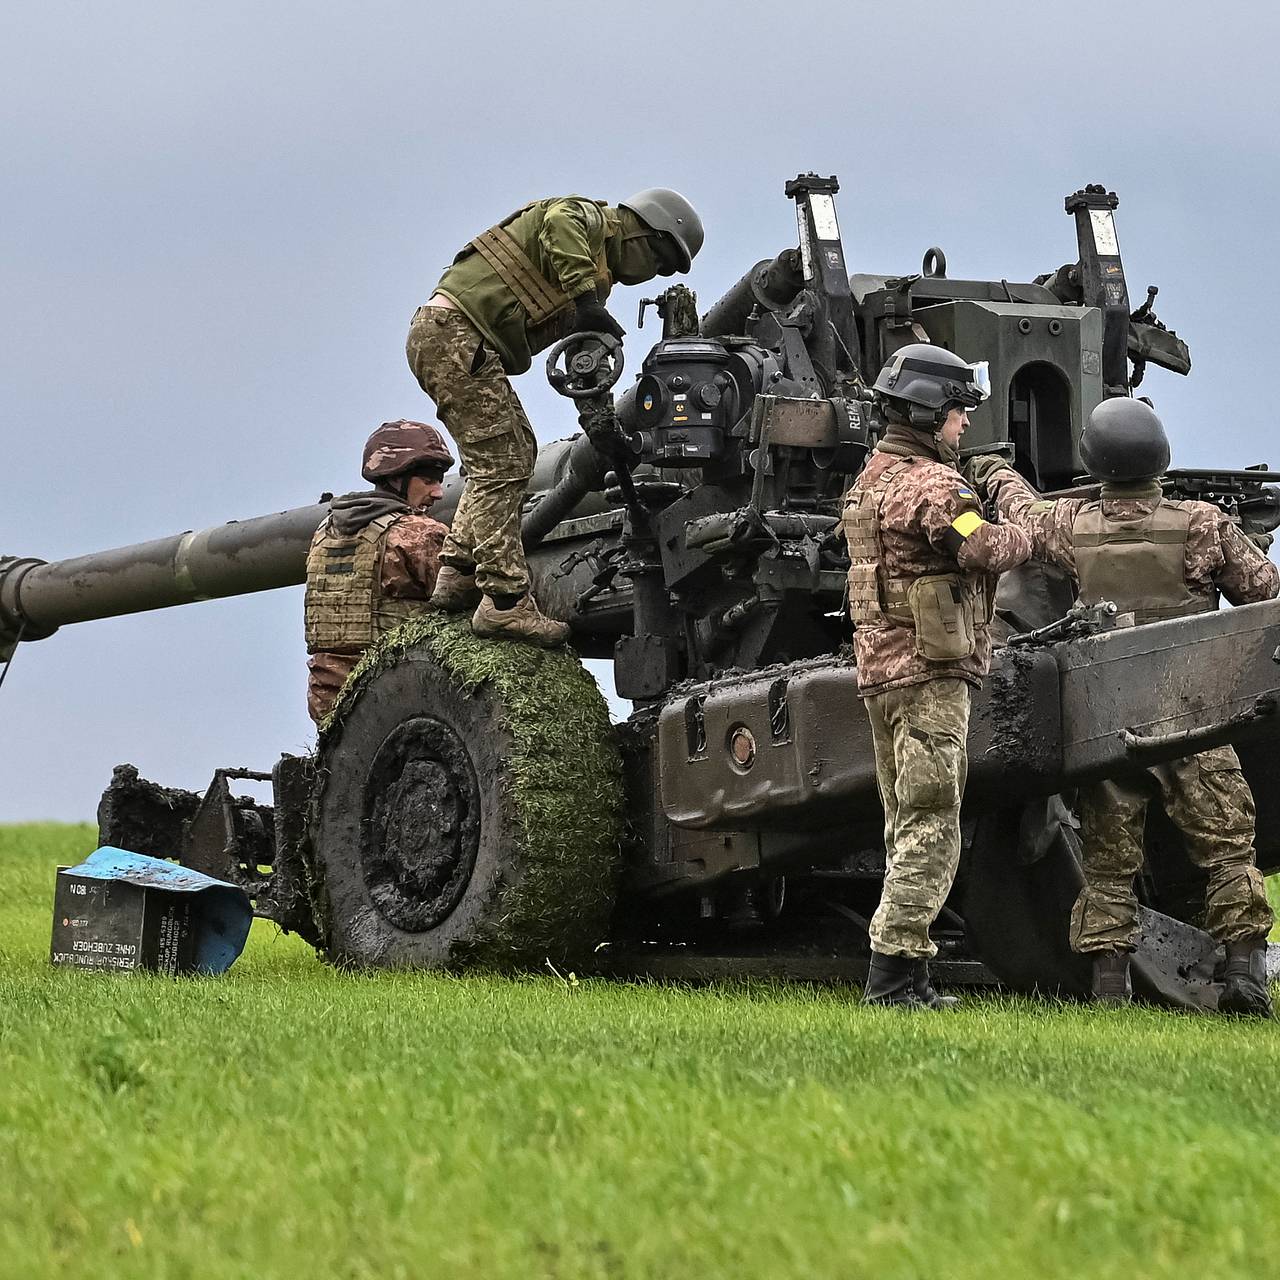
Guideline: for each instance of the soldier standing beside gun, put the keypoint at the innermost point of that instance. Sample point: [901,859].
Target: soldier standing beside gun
[921,589]
[374,560]
[539,275]
[1156,558]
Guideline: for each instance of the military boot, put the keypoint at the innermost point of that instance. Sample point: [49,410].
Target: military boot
[521,620]
[455,591]
[1244,981]
[1111,983]
[924,991]
[897,981]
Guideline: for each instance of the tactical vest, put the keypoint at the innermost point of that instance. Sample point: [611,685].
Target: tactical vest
[541,298]
[874,599]
[1139,562]
[345,608]
[945,610]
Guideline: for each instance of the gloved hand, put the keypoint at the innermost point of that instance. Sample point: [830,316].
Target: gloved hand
[1262,541]
[602,429]
[981,467]
[589,316]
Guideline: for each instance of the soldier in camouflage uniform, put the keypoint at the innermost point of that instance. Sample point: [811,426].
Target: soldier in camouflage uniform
[1154,558]
[542,273]
[921,585]
[374,560]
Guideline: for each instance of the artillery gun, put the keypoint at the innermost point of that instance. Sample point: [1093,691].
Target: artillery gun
[469,802]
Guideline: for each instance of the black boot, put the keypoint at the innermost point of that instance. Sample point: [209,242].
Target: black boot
[890,980]
[1111,984]
[1244,981]
[903,982]
[924,991]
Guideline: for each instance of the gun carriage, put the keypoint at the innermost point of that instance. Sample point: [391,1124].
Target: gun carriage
[690,534]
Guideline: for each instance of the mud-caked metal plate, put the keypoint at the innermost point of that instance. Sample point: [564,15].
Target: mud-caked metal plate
[1165,678]
[812,750]
[421,824]
[813,762]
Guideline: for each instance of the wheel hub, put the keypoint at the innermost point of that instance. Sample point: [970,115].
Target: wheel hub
[420,826]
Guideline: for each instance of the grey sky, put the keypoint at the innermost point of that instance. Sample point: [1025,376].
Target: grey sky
[218,220]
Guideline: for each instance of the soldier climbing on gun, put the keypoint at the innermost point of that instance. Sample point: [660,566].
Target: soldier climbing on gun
[542,273]
[1155,558]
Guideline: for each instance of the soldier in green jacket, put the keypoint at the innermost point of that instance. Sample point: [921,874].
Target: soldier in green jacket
[538,276]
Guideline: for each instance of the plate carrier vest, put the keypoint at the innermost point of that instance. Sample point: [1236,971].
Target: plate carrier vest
[546,304]
[1138,562]
[345,608]
[876,599]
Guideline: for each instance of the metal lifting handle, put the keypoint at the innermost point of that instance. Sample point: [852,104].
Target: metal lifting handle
[1190,741]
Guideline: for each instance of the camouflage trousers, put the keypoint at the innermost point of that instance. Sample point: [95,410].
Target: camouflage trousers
[327,672]
[1208,800]
[920,736]
[479,408]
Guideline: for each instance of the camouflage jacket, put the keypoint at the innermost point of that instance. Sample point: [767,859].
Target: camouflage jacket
[1219,558]
[412,558]
[930,523]
[571,241]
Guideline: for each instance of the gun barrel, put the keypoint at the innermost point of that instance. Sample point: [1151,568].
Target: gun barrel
[266,553]
[578,470]
[231,559]
[1206,475]
[778,279]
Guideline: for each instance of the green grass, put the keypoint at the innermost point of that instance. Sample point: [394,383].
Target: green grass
[290,1120]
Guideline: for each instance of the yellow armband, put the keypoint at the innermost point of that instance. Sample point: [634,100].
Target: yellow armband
[962,528]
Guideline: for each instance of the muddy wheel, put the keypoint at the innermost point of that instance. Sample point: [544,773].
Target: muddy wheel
[469,806]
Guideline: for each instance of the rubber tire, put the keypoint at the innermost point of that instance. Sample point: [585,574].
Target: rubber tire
[357,931]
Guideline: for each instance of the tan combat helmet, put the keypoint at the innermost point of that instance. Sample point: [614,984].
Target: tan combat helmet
[400,447]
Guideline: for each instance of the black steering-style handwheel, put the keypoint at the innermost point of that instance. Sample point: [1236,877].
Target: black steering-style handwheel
[592,363]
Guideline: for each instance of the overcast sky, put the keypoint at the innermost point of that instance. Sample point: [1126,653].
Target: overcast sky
[219,218]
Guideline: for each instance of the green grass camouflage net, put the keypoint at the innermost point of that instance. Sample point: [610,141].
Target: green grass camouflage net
[564,775]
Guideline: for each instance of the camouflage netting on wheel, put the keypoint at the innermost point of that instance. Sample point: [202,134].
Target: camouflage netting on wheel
[564,773]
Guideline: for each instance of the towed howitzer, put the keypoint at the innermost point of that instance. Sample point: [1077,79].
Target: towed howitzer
[732,823]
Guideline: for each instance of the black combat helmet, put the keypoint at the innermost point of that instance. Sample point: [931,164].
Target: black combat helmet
[1124,440]
[923,381]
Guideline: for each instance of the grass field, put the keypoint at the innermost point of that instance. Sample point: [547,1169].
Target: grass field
[289,1120]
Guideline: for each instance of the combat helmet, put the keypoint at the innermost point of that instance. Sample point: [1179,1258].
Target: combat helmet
[662,209]
[397,448]
[1124,440]
[923,381]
